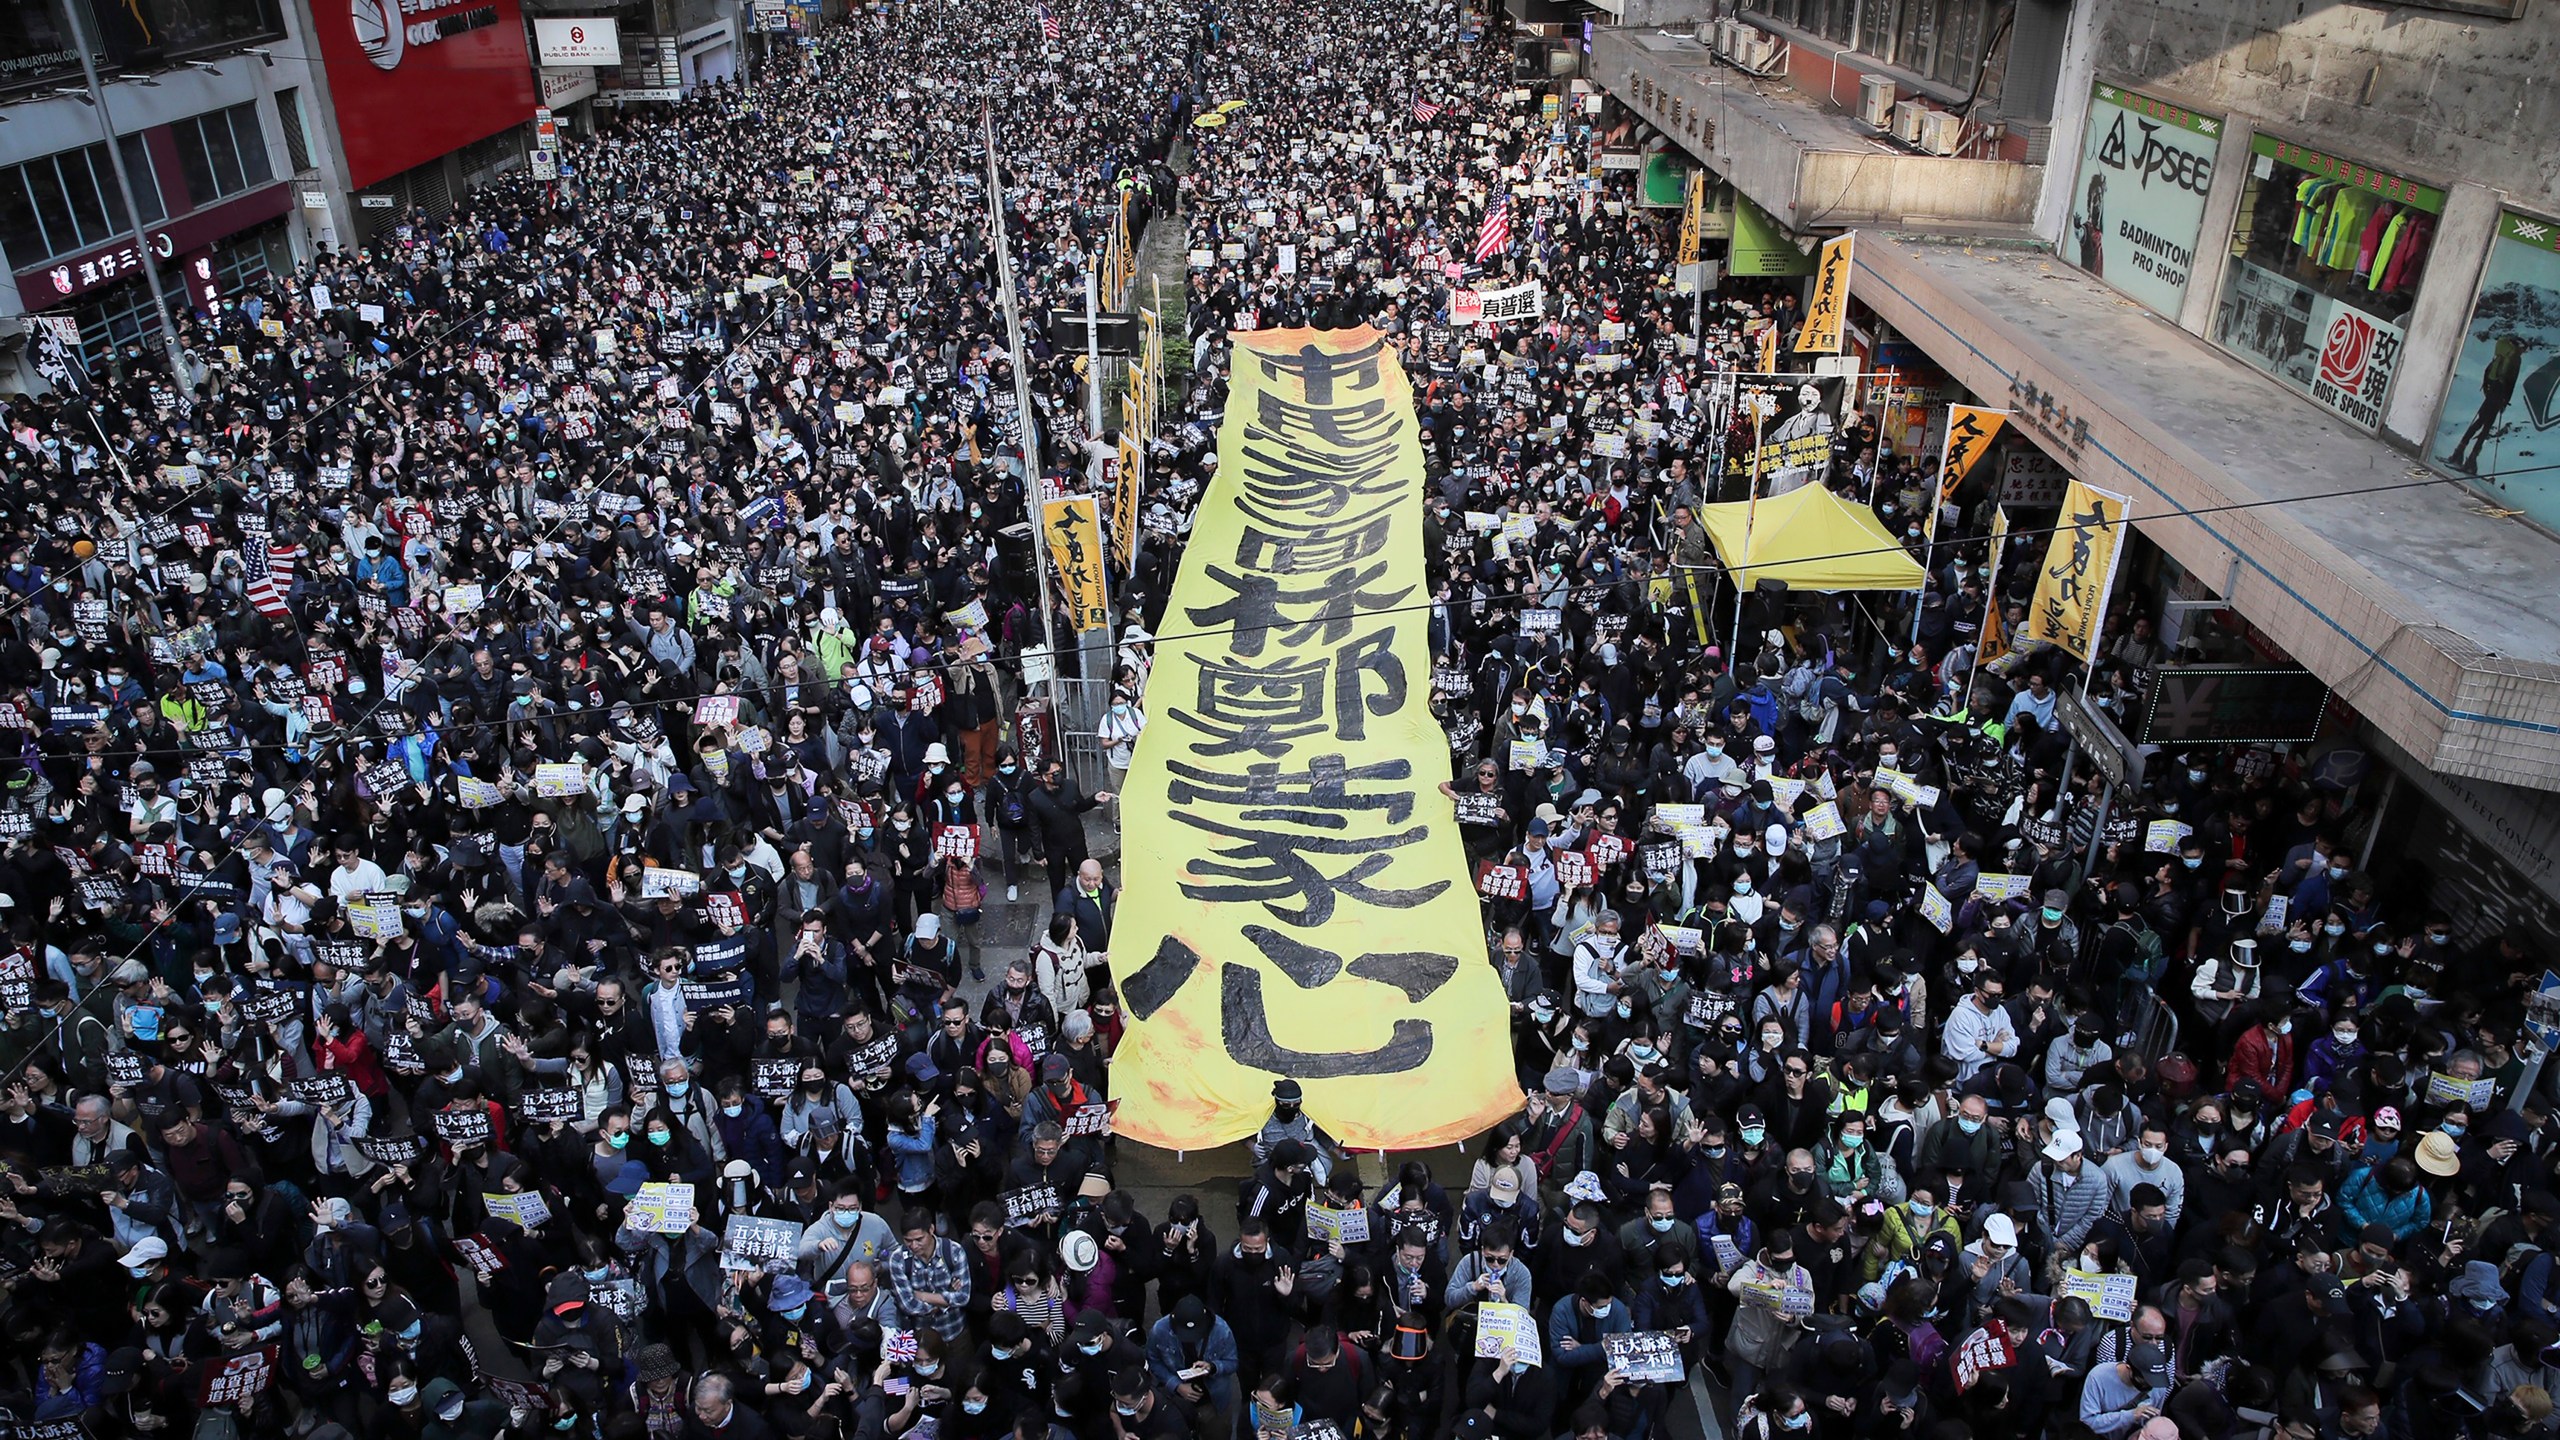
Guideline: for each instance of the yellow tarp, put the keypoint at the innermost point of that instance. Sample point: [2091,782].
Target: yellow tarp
[1297,903]
[1811,539]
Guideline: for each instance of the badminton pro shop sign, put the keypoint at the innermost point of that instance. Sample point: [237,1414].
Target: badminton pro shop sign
[418,79]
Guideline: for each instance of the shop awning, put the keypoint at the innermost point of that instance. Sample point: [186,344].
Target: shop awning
[1812,540]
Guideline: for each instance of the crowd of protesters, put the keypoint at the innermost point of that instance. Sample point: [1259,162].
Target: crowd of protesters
[486,959]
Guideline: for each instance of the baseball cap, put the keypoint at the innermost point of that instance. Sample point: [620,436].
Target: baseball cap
[2000,1230]
[148,1251]
[2063,1145]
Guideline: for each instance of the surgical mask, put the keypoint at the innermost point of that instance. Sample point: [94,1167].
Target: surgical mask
[2343,1036]
[1753,1134]
[2334,930]
[1643,1054]
[733,1111]
[2452,1130]
[2051,915]
[1852,1142]
[1968,1125]
[974,1407]
[1129,1412]
[794,1313]
[2337,872]
[2152,1154]
[2299,947]
[1921,1211]
[1742,883]
[565,1422]
[619,1140]
[403,1395]
[2382,947]
[677,1089]
[659,1137]
[1625,1010]
[1096,1348]
[928,1368]
[2282,1027]
[453,1076]
[1007,769]
[1798,1422]
[599,1275]
[1600,1311]
[846,1219]
[1578,1238]
[1674,1282]
[1967,964]
[2194,862]
[416,1328]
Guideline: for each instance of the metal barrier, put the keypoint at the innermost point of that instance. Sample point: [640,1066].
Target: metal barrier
[1078,738]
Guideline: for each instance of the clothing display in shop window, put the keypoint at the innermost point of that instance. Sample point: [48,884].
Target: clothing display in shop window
[2404,252]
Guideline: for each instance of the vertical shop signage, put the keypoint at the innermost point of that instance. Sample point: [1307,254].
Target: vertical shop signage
[2145,168]
[2503,401]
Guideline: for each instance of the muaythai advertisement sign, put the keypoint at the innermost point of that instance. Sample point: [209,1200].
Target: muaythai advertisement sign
[417,79]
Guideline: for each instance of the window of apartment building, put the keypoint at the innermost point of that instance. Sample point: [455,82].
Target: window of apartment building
[1939,40]
[223,153]
[297,140]
[145,177]
[60,205]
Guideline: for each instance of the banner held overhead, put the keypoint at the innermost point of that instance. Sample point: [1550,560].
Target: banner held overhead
[1301,908]
[2079,568]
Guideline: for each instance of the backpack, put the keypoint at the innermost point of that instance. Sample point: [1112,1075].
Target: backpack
[2146,944]
[1011,812]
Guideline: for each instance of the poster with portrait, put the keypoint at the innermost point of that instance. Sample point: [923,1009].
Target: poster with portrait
[1793,419]
[2502,404]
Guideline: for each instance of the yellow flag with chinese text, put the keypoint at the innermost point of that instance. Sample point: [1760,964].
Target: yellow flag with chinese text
[1297,903]
[1825,317]
[2079,568]
[1073,527]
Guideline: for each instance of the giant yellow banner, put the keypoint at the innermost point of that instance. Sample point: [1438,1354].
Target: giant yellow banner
[2079,568]
[1297,902]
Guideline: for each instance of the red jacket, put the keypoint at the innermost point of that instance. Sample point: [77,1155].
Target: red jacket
[352,1054]
[2265,1058]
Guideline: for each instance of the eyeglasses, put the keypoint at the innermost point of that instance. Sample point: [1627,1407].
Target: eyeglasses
[1798,1070]
[376,1282]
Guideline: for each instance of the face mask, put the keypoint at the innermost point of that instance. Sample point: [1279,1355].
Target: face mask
[2453,1131]
[203,978]
[2382,947]
[928,1368]
[565,1422]
[1600,1311]
[2051,915]
[1923,1211]
[1129,1412]
[1643,1054]
[1753,1134]
[1674,1282]
[1007,769]
[403,1395]
[2337,872]
[453,1077]
[619,1141]
[1852,1142]
[733,1111]
[1096,1348]
[1742,883]
[1968,1125]
[1966,964]
[410,1335]
[795,1312]
[2299,947]
[1805,1420]
[1626,1011]
[2152,1154]
[974,1407]
[599,1275]
[2194,862]
[1579,1238]
[1772,1040]
[1660,1223]
[846,1219]
[658,1137]
[2343,1037]
[2333,930]
[676,1089]
[2282,1027]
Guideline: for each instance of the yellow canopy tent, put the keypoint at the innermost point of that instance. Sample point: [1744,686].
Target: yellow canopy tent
[1812,540]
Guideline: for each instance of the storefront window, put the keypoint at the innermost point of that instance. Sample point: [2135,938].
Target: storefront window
[2327,256]
[2504,397]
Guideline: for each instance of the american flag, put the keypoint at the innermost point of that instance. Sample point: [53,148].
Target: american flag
[1424,110]
[1494,235]
[266,591]
[1048,24]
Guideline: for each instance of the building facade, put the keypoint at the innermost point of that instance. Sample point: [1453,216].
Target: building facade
[2287,277]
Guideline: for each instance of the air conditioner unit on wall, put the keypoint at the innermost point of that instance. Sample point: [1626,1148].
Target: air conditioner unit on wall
[1908,116]
[1728,35]
[1761,54]
[1941,133]
[1875,101]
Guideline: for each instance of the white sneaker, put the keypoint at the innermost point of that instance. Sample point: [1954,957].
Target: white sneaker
[1012,892]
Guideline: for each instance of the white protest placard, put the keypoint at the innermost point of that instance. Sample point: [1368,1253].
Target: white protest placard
[526,1210]
[561,777]
[1996,886]
[1350,1226]
[659,880]
[476,794]
[374,919]
[462,598]
[1823,822]
[1935,909]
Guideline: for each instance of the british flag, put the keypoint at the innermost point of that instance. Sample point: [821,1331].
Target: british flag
[1494,235]
[1048,25]
[1424,110]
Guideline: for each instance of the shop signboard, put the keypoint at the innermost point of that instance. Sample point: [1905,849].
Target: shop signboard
[2138,207]
[2502,406]
[2232,705]
[414,80]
